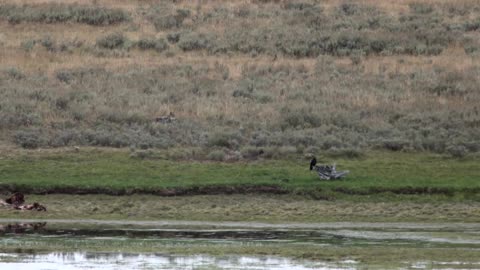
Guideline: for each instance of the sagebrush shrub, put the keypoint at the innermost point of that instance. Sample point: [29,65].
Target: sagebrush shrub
[195,41]
[31,138]
[59,13]
[112,41]
[216,155]
[158,45]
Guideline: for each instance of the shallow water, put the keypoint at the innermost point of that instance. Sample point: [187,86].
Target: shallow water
[78,260]
[418,236]
[72,245]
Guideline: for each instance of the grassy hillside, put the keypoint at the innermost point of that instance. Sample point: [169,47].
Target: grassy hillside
[242,77]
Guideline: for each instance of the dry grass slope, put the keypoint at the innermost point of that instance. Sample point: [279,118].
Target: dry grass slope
[299,76]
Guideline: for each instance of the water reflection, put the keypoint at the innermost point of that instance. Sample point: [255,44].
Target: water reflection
[19,228]
[70,261]
[25,239]
[339,237]
[322,237]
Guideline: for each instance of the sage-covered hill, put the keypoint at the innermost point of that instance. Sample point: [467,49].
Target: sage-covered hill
[242,78]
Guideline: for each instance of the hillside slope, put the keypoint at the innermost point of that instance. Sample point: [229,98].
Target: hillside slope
[286,76]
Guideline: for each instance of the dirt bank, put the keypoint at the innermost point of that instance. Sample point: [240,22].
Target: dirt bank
[165,192]
[317,193]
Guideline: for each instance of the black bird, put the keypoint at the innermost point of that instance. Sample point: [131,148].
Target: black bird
[313,162]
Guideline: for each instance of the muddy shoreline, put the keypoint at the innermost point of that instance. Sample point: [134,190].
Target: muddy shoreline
[258,225]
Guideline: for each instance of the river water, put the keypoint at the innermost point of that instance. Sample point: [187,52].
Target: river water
[61,244]
[113,261]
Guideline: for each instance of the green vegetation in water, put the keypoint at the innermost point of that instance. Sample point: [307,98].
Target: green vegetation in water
[372,257]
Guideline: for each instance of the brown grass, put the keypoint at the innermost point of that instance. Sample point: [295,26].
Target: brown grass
[13,35]
[270,208]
